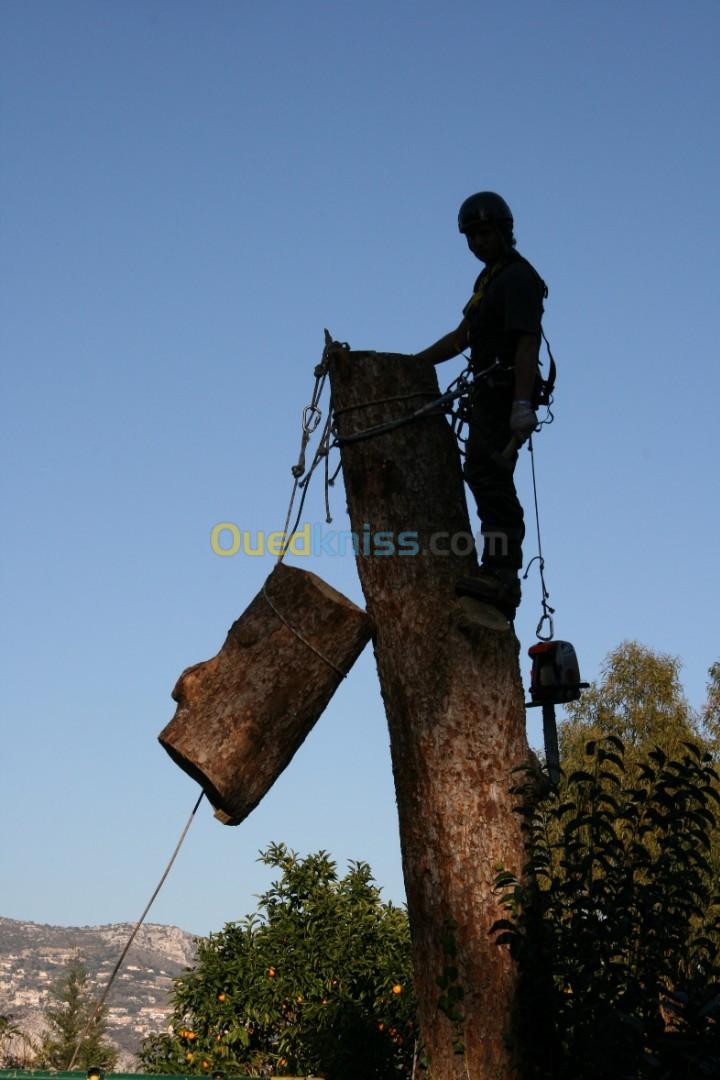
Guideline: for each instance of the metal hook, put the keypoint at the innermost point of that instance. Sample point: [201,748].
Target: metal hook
[545,618]
[311,418]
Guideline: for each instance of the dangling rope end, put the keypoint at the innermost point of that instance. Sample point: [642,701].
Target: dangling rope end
[98,1008]
[547,611]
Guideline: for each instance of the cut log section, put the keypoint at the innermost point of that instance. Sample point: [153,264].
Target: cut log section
[242,715]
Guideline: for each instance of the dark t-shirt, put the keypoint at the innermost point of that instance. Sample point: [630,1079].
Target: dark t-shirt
[510,304]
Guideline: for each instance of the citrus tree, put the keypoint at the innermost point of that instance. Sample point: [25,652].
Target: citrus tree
[317,980]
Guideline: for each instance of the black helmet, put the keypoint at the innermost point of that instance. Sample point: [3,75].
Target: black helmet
[485,206]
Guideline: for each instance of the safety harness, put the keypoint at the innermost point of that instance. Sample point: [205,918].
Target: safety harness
[544,384]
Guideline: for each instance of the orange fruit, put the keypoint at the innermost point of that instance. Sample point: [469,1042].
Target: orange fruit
[221,997]
[397,989]
[271,971]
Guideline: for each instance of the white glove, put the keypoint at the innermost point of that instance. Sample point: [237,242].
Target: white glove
[523,420]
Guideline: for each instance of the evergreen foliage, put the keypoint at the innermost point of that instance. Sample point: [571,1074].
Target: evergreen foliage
[318,981]
[71,1008]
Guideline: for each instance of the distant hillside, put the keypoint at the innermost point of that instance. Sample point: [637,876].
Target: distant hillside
[33,956]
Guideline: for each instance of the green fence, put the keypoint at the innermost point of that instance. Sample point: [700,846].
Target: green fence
[47,1074]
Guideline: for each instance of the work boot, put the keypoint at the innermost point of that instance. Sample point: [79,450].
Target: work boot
[471,615]
[501,588]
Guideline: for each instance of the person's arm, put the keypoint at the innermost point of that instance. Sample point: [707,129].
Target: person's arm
[523,419]
[447,347]
[526,363]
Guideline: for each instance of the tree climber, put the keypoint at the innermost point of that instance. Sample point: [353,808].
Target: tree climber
[501,326]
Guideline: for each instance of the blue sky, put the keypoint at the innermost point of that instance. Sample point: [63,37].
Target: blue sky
[189,193]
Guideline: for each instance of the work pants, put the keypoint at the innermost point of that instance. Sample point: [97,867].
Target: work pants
[492,485]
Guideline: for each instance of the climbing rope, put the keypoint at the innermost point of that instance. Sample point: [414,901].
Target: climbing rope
[459,390]
[311,417]
[138,924]
[329,440]
[548,612]
[383,401]
[433,408]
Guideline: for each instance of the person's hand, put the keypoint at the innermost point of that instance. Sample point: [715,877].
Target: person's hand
[523,420]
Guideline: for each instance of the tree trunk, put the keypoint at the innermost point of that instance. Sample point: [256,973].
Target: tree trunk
[242,715]
[454,704]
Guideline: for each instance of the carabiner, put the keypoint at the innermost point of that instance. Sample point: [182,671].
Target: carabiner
[315,416]
[545,618]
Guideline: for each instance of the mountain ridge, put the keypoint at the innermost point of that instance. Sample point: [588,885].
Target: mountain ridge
[33,957]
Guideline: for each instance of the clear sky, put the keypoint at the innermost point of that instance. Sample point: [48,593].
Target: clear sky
[190,191]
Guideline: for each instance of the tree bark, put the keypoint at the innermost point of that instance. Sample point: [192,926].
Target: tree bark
[454,705]
[242,715]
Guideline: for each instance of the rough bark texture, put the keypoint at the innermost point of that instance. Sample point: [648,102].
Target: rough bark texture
[242,715]
[455,710]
